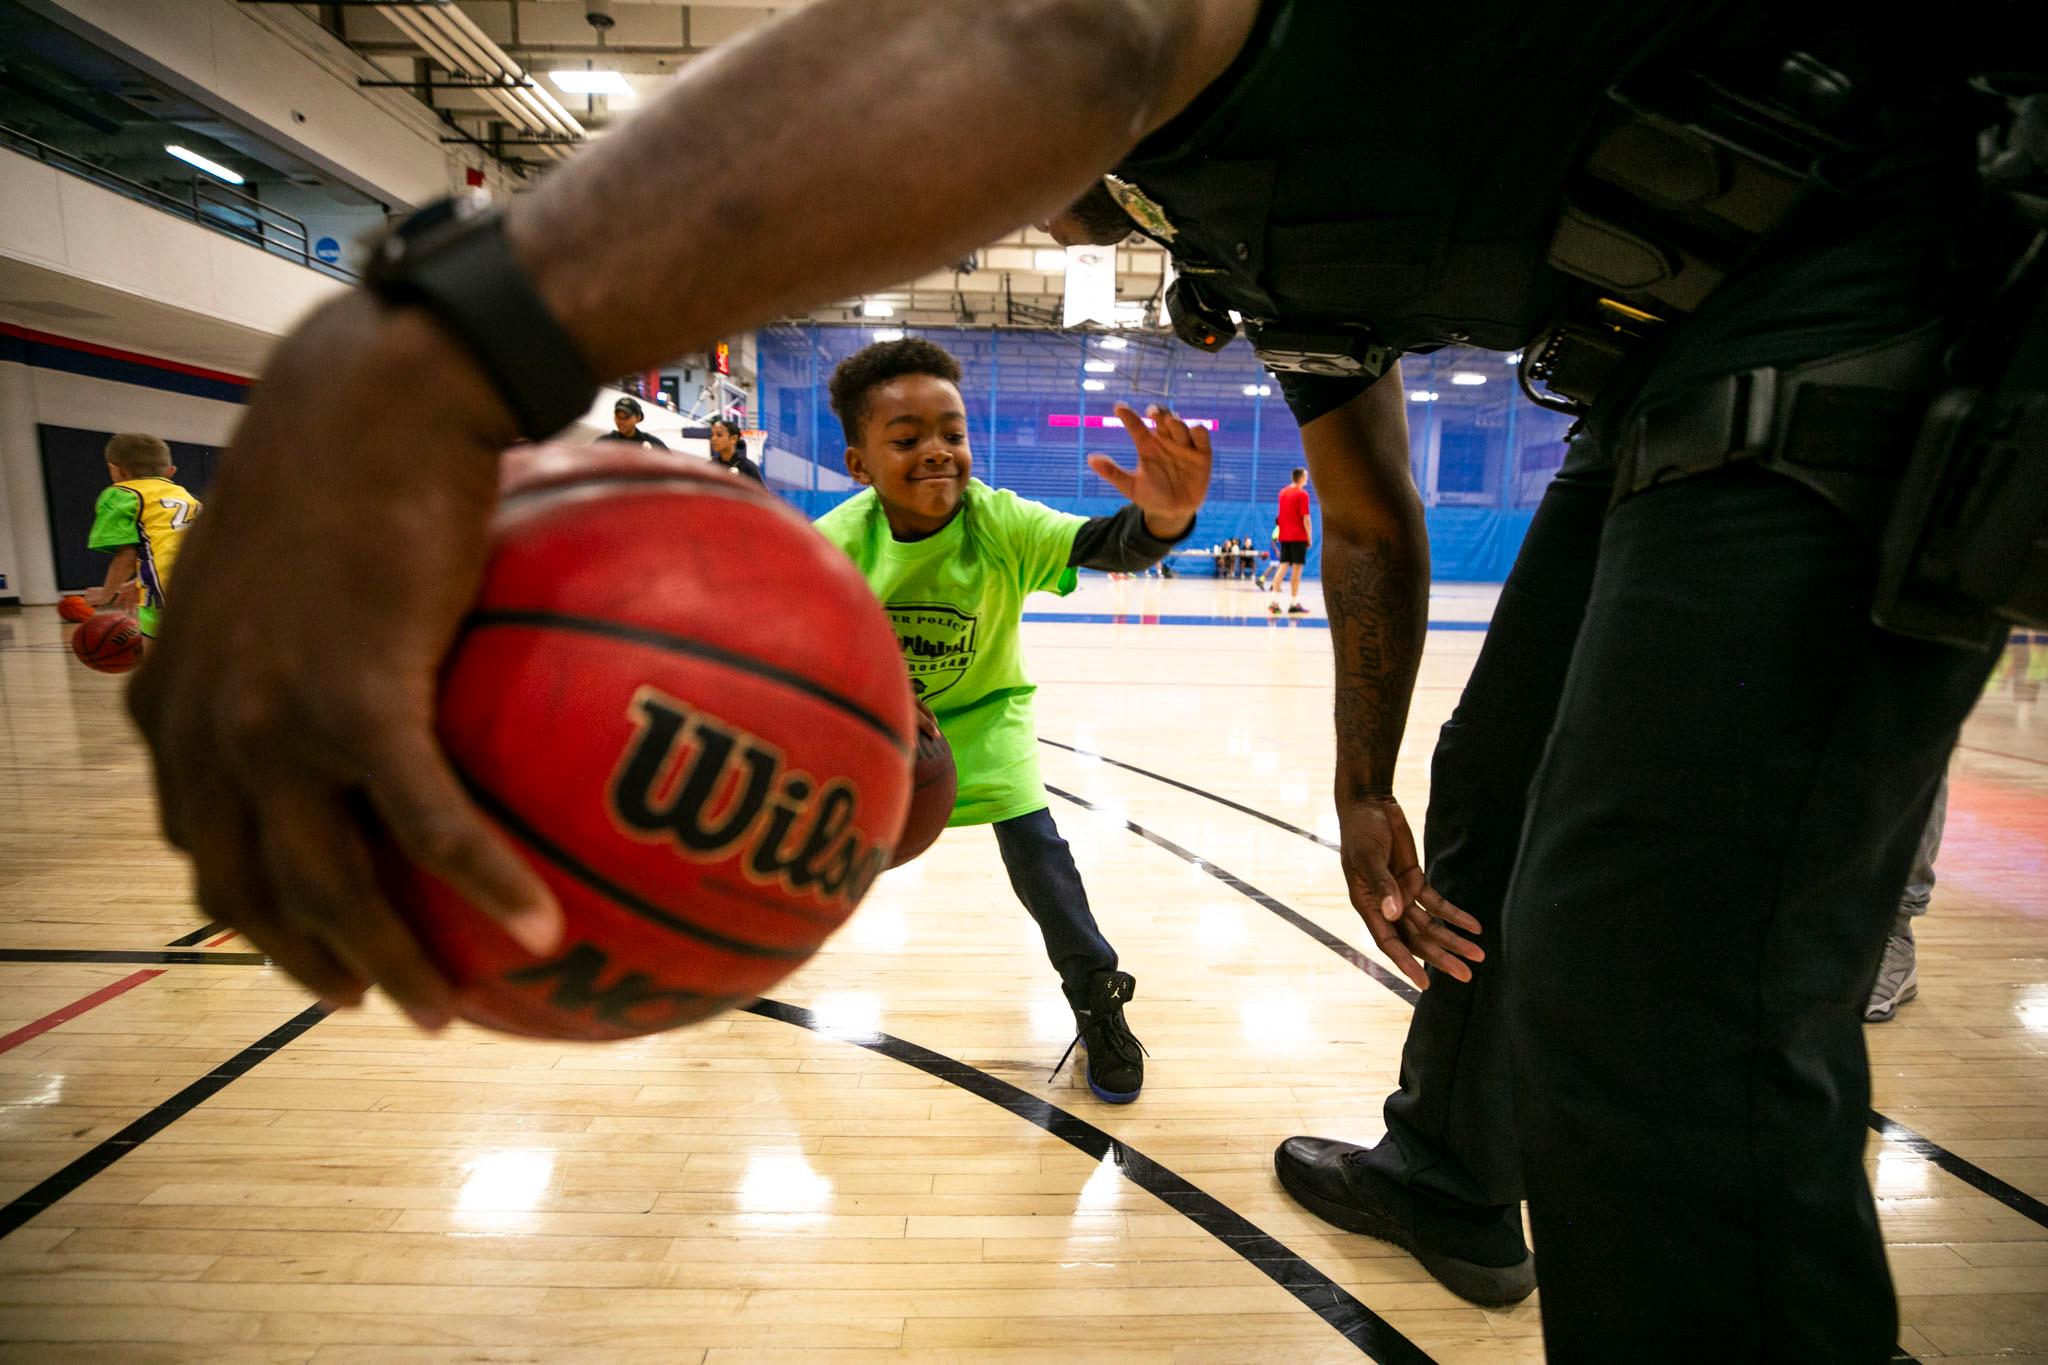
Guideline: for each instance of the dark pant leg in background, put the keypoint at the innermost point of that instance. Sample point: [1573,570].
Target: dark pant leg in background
[1731,798]
[1452,1121]
[1043,874]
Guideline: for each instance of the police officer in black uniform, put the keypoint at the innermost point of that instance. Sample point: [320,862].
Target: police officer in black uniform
[1680,794]
[1682,783]
[627,415]
[729,449]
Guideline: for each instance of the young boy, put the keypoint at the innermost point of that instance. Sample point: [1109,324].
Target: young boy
[952,561]
[139,520]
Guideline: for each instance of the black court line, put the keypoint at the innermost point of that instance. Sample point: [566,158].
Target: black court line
[146,957]
[684,645]
[1359,1325]
[1974,1176]
[1273,820]
[204,931]
[26,1206]
[2018,1200]
[1277,907]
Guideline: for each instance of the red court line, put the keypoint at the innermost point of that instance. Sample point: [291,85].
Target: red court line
[76,1008]
[222,939]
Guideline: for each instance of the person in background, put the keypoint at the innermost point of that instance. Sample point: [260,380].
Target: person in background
[1293,535]
[626,416]
[1898,975]
[729,448]
[1268,578]
[140,520]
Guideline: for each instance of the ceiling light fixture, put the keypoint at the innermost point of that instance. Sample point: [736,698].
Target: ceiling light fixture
[877,308]
[591,82]
[1465,379]
[212,168]
[1099,366]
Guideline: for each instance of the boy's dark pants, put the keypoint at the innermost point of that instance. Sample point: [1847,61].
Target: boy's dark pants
[1043,874]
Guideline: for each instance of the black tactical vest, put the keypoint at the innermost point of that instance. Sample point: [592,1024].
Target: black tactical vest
[1400,168]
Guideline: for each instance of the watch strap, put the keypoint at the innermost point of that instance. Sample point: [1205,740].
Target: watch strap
[463,272]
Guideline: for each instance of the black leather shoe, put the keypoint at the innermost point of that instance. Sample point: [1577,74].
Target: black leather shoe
[1477,1254]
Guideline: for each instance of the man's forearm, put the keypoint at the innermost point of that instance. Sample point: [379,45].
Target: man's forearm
[1375,577]
[1376,587]
[857,144]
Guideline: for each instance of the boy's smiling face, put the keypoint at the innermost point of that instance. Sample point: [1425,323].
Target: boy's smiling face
[913,452]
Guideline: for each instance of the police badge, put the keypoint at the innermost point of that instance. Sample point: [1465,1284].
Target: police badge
[1146,213]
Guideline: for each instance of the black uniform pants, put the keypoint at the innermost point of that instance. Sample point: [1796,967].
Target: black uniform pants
[1682,791]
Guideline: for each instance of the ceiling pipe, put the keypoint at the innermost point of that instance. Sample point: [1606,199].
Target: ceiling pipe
[448,37]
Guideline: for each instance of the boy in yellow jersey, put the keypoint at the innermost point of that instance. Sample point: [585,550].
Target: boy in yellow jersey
[139,520]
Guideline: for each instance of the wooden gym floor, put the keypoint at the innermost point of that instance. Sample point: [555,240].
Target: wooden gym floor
[195,1165]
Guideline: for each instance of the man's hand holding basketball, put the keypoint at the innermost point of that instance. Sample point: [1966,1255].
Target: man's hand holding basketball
[293,728]
[1172,476]
[290,707]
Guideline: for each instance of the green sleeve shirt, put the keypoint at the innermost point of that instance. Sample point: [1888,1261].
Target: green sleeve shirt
[956,600]
[116,520]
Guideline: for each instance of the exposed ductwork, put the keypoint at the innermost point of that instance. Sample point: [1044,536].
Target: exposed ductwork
[449,37]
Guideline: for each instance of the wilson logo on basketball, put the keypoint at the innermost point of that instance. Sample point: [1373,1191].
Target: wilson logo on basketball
[630,1000]
[717,792]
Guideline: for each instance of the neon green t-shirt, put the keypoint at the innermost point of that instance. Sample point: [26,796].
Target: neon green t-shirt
[956,599]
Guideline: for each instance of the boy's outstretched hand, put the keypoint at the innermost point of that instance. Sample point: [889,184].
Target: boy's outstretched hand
[1172,476]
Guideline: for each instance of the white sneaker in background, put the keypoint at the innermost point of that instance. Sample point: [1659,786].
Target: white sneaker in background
[1898,979]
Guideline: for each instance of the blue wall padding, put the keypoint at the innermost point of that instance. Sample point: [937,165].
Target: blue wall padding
[1466,544]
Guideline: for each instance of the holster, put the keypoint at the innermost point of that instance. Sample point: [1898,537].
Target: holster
[1949,485]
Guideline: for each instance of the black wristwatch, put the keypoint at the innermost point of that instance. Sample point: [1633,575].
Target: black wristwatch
[451,259]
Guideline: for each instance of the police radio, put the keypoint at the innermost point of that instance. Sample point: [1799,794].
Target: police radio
[1196,321]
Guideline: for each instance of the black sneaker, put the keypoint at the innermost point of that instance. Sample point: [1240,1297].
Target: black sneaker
[1478,1254]
[1116,1059]
[1296,609]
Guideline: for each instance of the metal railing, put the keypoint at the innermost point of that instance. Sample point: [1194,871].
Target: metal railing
[217,207]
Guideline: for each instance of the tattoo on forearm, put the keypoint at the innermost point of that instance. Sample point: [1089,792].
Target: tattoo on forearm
[1377,604]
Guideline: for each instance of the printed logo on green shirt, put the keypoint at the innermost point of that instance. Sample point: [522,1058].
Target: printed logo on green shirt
[937,642]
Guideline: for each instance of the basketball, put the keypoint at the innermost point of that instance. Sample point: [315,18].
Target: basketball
[689,714]
[111,642]
[933,785]
[74,608]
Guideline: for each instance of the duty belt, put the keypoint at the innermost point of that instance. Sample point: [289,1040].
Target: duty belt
[1843,425]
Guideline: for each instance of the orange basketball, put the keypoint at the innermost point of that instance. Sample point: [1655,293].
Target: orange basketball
[74,608]
[933,787]
[688,712]
[110,642]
